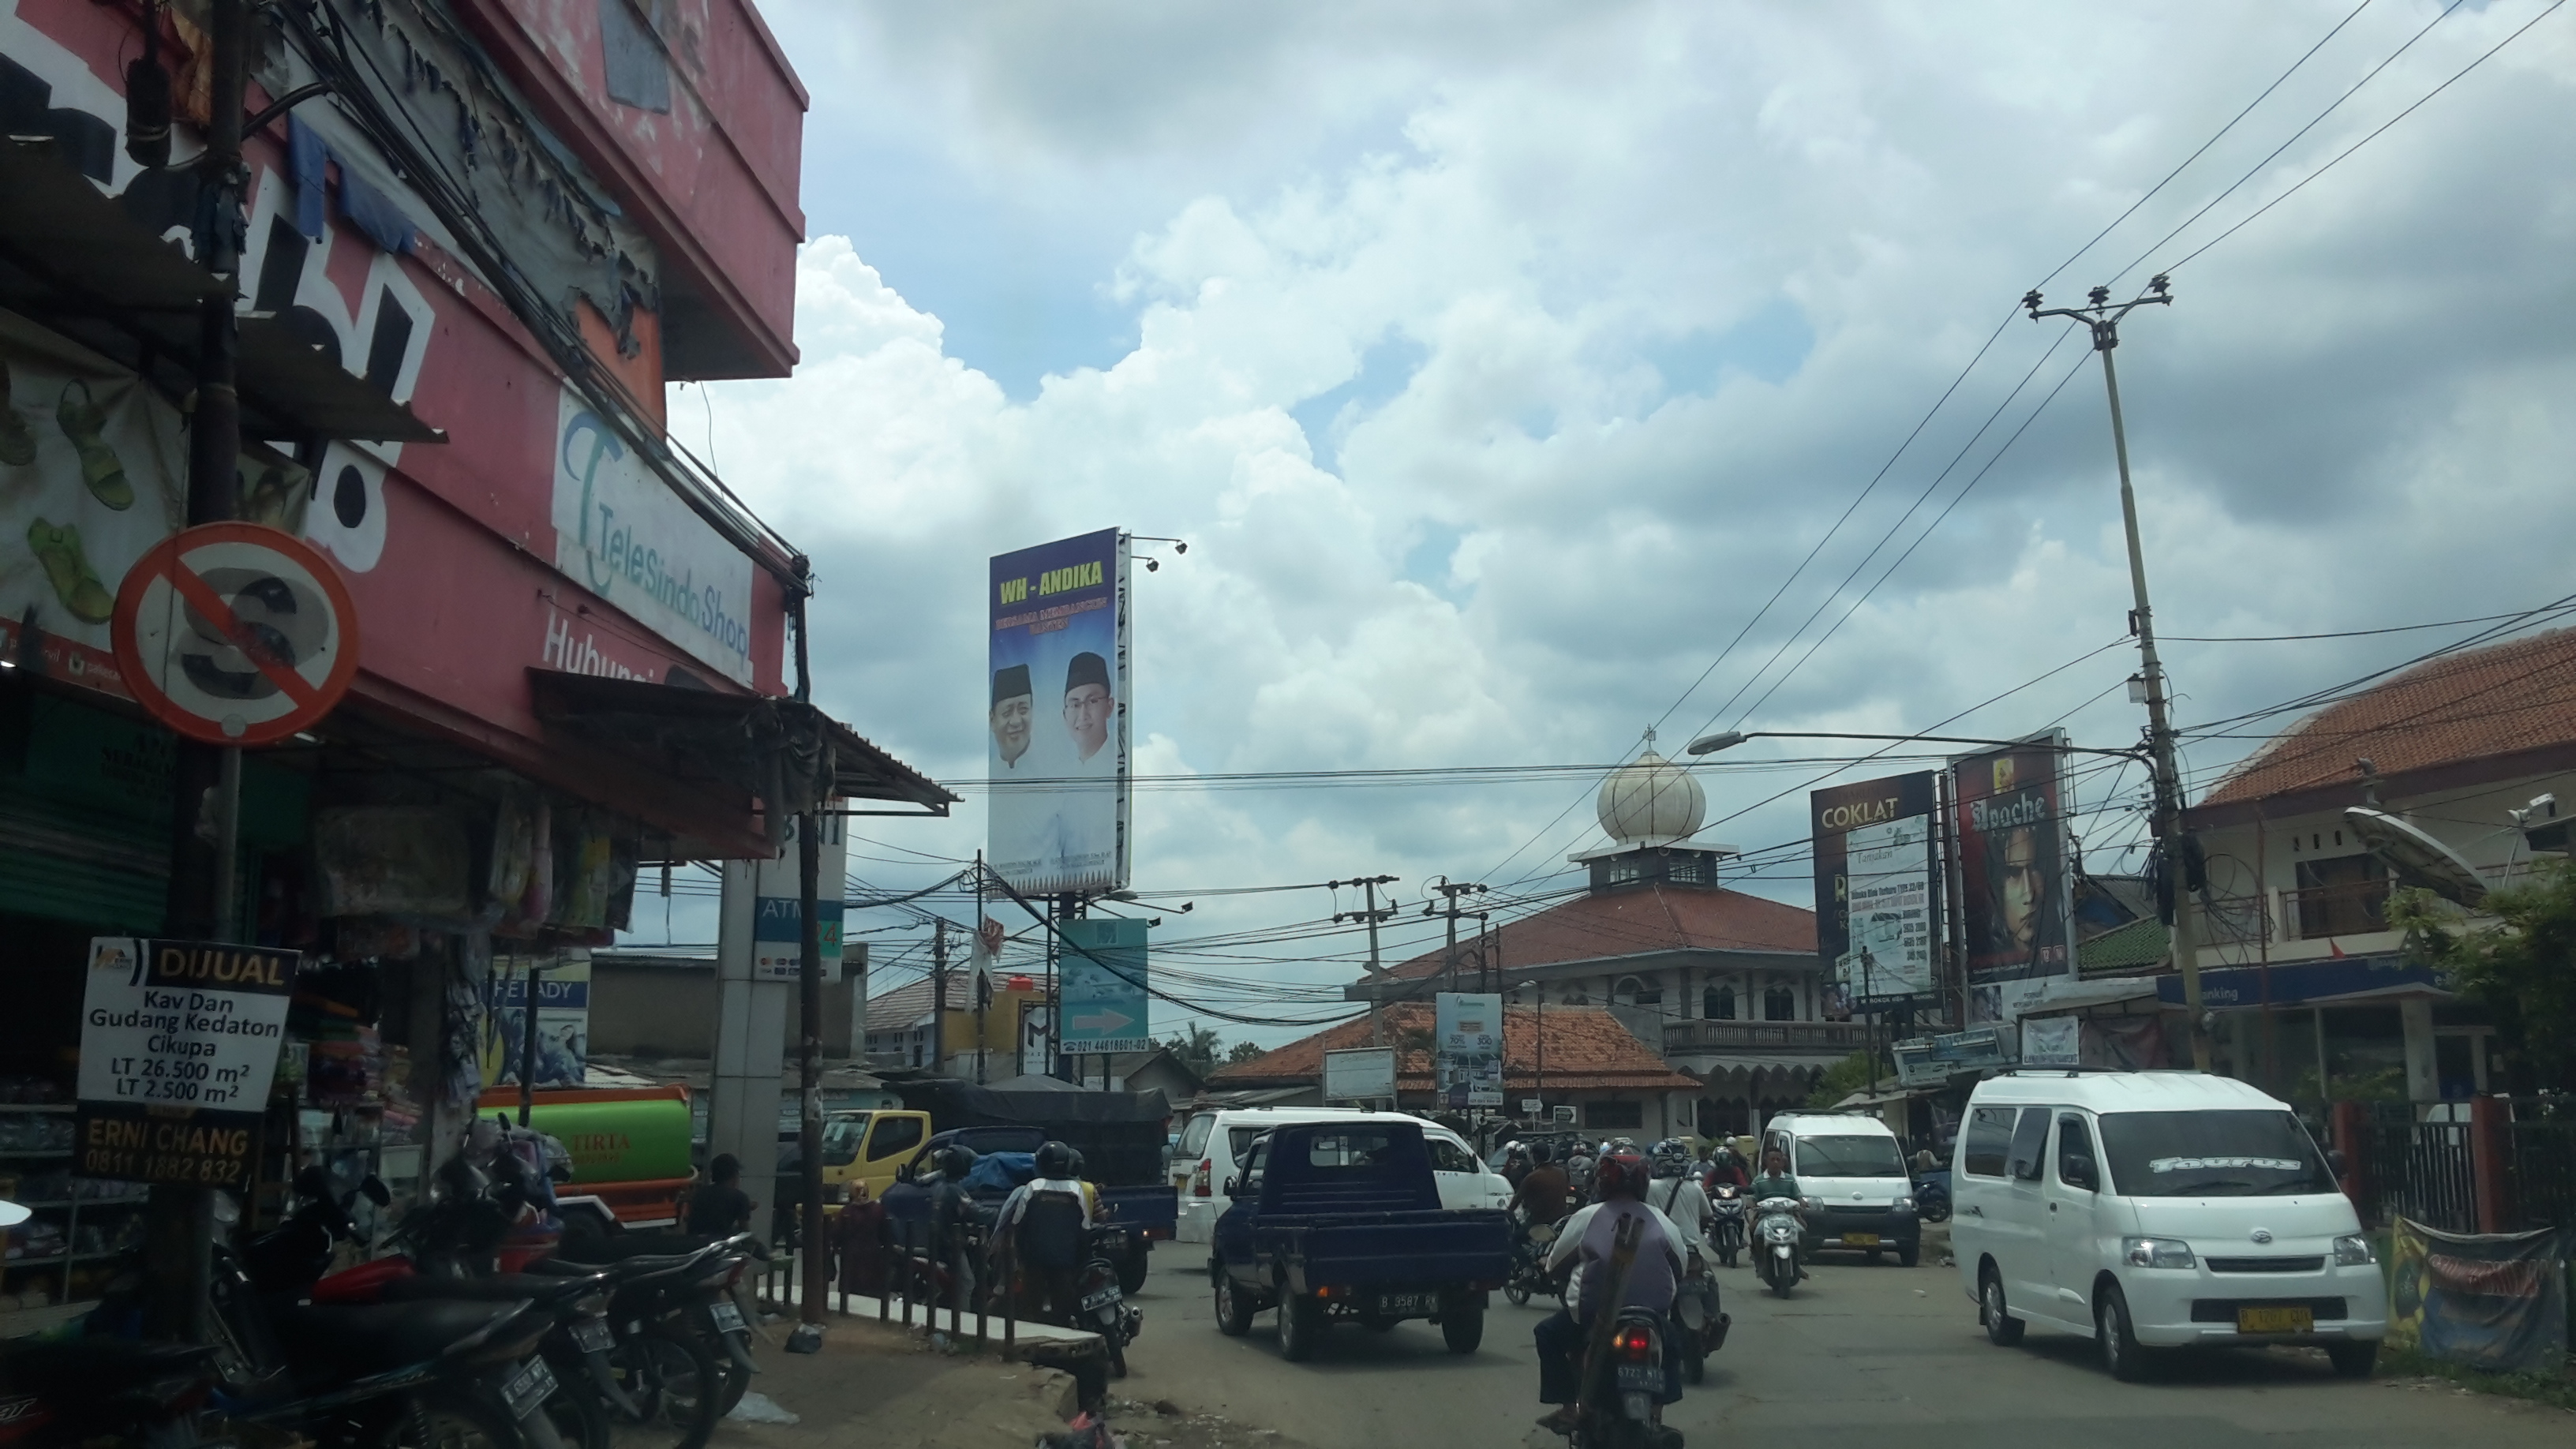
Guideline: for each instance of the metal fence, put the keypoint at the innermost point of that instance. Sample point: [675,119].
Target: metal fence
[2420,1170]
[2540,1163]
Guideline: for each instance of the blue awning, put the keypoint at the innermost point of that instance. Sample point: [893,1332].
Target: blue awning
[2306,983]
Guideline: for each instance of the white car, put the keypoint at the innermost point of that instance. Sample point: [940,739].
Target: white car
[2158,1209]
[1212,1146]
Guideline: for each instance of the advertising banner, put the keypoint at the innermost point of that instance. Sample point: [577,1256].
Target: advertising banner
[1364,1075]
[1468,1033]
[1100,975]
[1874,902]
[2016,890]
[1057,756]
[179,1043]
[777,923]
[2495,1301]
[563,1019]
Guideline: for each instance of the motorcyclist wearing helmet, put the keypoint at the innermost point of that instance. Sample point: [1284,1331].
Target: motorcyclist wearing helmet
[1727,1167]
[1583,1249]
[1677,1194]
[1542,1196]
[952,1219]
[1516,1162]
[1043,1226]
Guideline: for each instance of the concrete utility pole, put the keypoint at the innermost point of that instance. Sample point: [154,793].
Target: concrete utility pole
[939,996]
[1452,890]
[2182,870]
[1373,916]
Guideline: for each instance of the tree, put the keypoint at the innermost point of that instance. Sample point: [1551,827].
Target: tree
[1244,1051]
[1196,1048]
[1851,1074]
[2519,962]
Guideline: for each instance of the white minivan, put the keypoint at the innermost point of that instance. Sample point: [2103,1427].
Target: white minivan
[1213,1143]
[1859,1195]
[2158,1209]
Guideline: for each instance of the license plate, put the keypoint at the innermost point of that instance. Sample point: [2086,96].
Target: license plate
[1860,1240]
[1405,1303]
[2301,1319]
[1646,1376]
[528,1388]
[1102,1299]
[728,1318]
[591,1335]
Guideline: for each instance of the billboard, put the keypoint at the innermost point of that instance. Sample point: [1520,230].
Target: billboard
[778,922]
[1468,1033]
[1057,716]
[563,1018]
[1875,918]
[1366,1074]
[2016,892]
[1101,980]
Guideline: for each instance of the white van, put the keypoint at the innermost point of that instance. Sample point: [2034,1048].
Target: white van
[2157,1209]
[1212,1146]
[1859,1195]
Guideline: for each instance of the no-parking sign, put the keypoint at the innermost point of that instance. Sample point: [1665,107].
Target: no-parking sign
[235,634]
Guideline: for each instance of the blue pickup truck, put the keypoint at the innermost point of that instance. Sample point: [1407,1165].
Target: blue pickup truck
[1343,1221]
[1147,1211]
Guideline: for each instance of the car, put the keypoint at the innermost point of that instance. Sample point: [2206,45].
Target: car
[1860,1197]
[1213,1144]
[2152,1210]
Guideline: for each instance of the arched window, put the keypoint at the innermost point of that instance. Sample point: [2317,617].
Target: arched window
[1779,1004]
[1634,991]
[1718,1003]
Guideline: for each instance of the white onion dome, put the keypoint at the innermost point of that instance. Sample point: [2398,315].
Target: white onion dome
[1651,802]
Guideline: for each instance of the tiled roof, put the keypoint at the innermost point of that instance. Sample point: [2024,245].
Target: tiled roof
[2478,705]
[1640,920]
[2141,942]
[1587,1050]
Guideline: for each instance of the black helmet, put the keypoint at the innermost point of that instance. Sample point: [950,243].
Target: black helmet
[1055,1160]
[956,1160]
[1075,1169]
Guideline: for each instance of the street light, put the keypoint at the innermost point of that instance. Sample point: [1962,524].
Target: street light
[1729,739]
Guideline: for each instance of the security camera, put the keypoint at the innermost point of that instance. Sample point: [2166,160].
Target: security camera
[1180,548]
[1153,566]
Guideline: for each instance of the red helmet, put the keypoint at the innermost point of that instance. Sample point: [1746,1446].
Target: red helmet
[1619,1174]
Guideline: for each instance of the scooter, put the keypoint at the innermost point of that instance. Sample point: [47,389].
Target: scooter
[1776,1235]
[1529,1277]
[1104,1305]
[1726,1221]
[1699,1321]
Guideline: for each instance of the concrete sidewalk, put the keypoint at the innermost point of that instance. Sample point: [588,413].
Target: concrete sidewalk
[885,1388]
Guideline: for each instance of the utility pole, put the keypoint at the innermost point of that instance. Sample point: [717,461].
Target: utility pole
[939,996]
[1452,890]
[2181,860]
[1373,916]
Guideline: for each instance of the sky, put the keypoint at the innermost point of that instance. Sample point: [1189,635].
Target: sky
[1522,377]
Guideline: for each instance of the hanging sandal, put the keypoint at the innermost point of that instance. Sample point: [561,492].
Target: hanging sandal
[17,440]
[85,423]
[67,569]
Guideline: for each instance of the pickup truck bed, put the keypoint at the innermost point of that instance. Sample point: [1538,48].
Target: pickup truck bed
[1392,1249]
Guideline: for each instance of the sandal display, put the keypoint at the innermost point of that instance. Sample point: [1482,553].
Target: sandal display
[85,423]
[67,569]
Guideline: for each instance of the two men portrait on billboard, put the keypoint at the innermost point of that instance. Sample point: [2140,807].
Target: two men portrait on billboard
[1057,723]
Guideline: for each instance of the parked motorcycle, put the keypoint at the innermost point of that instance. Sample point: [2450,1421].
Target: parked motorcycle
[1529,1276]
[102,1390]
[1726,1221]
[1104,1307]
[1776,1234]
[1698,1319]
[1932,1195]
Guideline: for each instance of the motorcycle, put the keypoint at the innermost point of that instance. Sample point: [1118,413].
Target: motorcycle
[1529,1277]
[1932,1196]
[1726,1221]
[1697,1318]
[1776,1233]
[1104,1307]
[90,1390]
[1622,1401]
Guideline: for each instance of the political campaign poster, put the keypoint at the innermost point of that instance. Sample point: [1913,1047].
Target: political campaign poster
[1467,1033]
[563,1018]
[1100,975]
[1057,718]
[2016,892]
[1875,908]
[179,1043]
[2494,1301]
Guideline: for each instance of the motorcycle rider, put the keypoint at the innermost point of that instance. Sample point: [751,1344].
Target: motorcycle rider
[1678,1196]
[1775,1181]
[1543,1196]
[1045,1223]
[1583,1247]
[1516,1162]
[952,1219]
[1726,1166]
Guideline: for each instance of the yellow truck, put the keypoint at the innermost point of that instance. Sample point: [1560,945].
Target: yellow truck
[867,1148]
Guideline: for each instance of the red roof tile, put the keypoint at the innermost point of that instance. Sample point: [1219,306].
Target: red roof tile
[1587,1050]
[2486,703]
[1636,921]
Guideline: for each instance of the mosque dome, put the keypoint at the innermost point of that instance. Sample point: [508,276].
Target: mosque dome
[1651,802]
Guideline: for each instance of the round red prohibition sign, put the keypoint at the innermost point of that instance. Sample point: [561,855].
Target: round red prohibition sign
[235,633]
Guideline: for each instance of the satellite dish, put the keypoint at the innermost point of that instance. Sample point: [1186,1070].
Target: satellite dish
[2417,858]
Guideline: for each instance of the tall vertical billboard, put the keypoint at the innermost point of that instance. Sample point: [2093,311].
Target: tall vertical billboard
[1058,716]
[1468,1048]
[1101,979]
[2016,890]
[1874,899]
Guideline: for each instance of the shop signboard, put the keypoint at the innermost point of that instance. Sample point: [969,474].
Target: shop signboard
[1057,753]
[1874,897]
[1925,1061]
[179,1041]
[1468,1031]
[778,920]
[1364,1075]
[1101,976]
[2016,892]
[563,1018]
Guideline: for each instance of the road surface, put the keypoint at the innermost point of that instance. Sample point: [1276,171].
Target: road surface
[1859,1354]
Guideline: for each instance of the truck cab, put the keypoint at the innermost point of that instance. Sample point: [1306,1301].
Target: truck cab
[868,1149]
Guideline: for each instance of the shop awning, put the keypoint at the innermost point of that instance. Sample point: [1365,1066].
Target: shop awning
[776,749]
[85,262]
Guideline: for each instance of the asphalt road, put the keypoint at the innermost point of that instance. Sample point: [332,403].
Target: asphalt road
[1858,1354]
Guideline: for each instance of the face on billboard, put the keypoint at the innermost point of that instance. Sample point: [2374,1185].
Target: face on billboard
[2019,870]
[1086,718]
[2012,863]
[1011,718]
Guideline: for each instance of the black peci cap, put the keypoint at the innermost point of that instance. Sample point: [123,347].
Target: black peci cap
[1010,682]
[1086,668]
